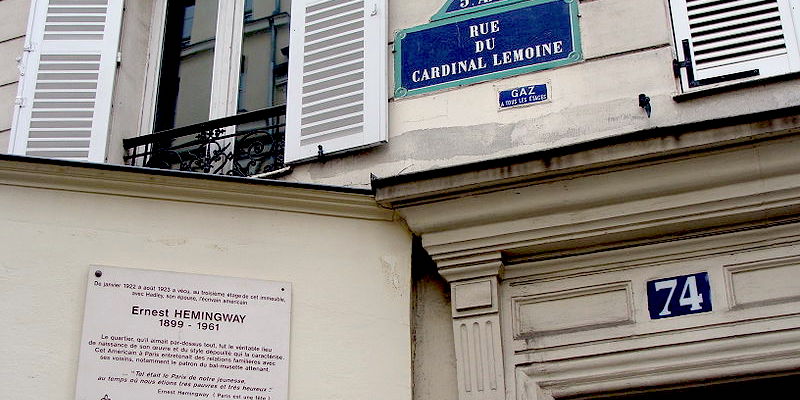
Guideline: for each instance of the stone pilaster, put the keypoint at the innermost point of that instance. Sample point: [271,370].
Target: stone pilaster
[476,327]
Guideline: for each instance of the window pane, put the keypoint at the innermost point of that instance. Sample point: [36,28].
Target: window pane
[262,76]
[262,83]
[184,91]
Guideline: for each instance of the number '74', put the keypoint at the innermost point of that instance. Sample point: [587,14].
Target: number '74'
[694,294]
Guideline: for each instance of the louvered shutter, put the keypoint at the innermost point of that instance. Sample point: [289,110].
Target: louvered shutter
[65,94]
[338,81]
[722,41]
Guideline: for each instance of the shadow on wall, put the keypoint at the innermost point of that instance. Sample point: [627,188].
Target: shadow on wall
[432,331]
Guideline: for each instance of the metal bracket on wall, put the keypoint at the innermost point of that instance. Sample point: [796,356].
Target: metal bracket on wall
[687,63]
[644,102]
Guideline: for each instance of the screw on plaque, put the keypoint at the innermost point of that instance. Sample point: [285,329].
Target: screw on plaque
[98,274]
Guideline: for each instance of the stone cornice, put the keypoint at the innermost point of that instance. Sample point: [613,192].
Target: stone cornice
[467,270]
[711,182]
[190,187]
[648,146]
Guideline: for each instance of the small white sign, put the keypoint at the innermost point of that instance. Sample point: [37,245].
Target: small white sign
[166,335]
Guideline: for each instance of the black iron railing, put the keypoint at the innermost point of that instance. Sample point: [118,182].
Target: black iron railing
[247,144]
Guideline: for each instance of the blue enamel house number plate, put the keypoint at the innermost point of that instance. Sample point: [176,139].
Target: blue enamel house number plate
[680,295]
[494,43]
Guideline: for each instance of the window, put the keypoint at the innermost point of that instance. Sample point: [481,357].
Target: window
[726,41]
[211,68]
[220,58]
[207,47]
[248,10]
[188,20]
[208,59]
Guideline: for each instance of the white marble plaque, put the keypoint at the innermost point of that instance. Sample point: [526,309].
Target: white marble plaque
[166,335]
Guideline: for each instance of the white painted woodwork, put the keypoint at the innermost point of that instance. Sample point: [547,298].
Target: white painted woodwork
[227,59]
[754,327]
[338,77]
[589,307]
[764,282]
[67,82]
[735,36]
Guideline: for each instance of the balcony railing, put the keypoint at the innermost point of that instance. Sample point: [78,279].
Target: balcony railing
[247,144]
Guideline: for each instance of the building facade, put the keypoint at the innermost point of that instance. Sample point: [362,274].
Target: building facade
[629,228]
[61,222]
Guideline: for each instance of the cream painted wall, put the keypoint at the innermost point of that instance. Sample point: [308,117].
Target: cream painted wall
[7,94]
[9,74]
[348,261]
[13,25]
[432,332]
[15,21]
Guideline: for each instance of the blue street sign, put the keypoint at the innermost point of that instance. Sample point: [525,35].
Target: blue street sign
[454,8]
[523,95]
[457,5]
[495,43]
[679,295]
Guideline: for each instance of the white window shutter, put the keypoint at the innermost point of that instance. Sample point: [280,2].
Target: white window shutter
[65,92]
[730,40]
[338,77]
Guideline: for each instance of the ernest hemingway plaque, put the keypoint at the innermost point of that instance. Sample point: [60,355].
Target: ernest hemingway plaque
[167,335]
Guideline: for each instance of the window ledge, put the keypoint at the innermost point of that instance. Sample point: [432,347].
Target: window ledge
[703,92]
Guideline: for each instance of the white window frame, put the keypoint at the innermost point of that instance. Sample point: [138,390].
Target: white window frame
[225,69]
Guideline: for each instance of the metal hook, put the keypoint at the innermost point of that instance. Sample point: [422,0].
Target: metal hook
[644,102]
